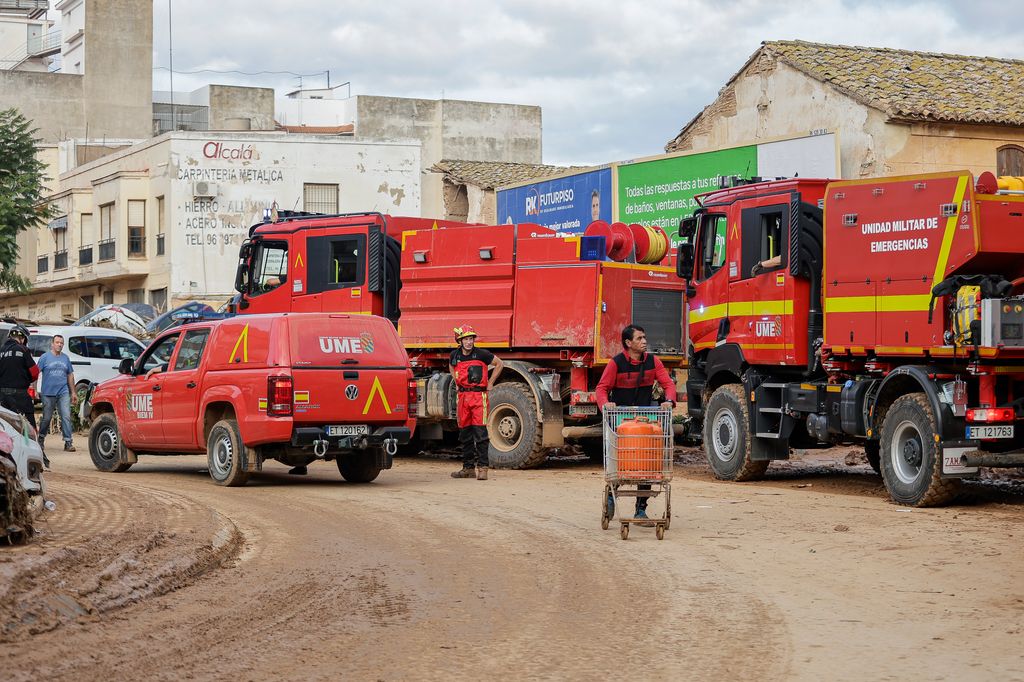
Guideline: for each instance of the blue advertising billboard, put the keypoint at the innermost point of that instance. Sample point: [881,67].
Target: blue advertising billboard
[566,205]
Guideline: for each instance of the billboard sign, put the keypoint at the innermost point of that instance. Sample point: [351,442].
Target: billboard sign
[565,204]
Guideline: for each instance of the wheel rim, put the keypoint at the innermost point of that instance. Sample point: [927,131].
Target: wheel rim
[907,452]
[724,431]
[506,430]
[223,454]
[106,444]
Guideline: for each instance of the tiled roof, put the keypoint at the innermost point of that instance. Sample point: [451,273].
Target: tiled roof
[905,85]
[493,174]
[921,86]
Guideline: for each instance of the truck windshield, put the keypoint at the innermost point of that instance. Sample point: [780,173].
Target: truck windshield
[270,267]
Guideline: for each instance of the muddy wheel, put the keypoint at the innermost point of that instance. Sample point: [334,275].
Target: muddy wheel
[660,531]
[872,450]
[224,454]
[607,507]
[727,436]
[513,427]
[624,531]
[359,467]
[911,459]
[106,449]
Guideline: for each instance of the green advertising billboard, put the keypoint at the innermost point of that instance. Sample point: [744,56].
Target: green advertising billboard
[661,191]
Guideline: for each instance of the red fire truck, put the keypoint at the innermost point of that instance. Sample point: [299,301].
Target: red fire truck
[553,316]
[885,311]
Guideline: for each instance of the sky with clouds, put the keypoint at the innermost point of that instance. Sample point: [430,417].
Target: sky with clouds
[616,79]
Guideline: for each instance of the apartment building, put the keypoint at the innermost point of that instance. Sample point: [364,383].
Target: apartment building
[161,222]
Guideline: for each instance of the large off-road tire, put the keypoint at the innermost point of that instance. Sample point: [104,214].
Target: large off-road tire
[106,449]
[359,467]
[727,436]
[224,451]
[911,459]
[873,451]
[513,427]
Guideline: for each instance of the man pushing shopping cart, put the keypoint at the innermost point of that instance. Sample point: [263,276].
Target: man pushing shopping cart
[637,433]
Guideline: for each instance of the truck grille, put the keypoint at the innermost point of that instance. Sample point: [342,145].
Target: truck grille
[660,313]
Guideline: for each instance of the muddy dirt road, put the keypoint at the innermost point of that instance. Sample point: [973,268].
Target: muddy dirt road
[158,574]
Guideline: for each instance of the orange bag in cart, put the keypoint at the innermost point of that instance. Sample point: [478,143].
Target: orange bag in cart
[639,448]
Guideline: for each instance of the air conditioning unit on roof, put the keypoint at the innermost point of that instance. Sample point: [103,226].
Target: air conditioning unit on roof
[204,189]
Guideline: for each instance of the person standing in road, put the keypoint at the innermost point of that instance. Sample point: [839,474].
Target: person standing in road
[17,372]
[475,371]
[57,389]
[628,381]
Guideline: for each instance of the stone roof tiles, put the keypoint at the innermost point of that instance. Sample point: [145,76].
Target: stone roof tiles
[494,174]
[915,86]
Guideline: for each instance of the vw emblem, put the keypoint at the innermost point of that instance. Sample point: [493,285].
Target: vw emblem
[351,391]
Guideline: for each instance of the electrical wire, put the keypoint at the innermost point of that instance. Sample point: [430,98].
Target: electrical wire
[243,73]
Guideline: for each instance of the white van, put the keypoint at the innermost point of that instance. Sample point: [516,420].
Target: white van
[95,352]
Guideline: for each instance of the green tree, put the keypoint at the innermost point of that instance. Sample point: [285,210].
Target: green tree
[21,192]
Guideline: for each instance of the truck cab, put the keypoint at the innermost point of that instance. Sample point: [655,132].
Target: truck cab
[294,387]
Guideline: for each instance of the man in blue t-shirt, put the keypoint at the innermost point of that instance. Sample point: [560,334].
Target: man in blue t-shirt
[57,389]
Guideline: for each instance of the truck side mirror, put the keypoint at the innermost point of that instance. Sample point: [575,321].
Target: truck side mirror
[127,366]
[241,274]
[684,261]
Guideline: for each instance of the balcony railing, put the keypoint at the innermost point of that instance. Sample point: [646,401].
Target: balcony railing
[85,255]
[60,260]
[136,245]
[160,245]
[43,264]
[48,43]
[31,8]
[107,249]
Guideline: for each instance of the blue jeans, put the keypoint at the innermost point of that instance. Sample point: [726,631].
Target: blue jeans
[63,404]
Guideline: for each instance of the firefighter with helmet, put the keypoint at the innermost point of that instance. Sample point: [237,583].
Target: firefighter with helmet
[475,371]
[17,372]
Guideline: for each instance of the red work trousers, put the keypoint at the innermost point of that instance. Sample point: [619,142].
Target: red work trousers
[472,416]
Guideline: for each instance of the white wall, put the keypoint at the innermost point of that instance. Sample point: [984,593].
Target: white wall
[315,112]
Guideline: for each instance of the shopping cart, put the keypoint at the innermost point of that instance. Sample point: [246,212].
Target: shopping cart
[637,451]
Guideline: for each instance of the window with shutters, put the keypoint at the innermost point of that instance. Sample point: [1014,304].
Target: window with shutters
[106,242]
[318,198]
[136,295]
[85,237]
[160,245]
[136,228]
[1010,161]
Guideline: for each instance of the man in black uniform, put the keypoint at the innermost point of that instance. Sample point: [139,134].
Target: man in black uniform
[17,372]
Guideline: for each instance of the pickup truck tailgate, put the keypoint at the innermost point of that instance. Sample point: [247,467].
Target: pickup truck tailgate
[348,369]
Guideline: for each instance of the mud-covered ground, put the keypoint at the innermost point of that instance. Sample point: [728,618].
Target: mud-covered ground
[812,574]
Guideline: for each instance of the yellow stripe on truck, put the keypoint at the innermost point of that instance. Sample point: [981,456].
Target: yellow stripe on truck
[947,237]
[881,304]
[741,309]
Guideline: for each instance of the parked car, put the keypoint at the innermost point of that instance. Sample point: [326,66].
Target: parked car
[112,316]
[164,321]
[22,459]
[95,352]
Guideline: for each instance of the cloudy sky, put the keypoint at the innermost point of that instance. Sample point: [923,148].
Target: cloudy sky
[616,79]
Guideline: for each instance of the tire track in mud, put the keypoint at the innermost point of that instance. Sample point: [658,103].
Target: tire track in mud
[105,547]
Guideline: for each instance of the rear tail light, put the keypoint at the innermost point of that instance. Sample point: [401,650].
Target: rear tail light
[413,394]
[991,414]
[279,396]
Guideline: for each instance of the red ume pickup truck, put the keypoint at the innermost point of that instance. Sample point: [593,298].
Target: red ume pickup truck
[294,387]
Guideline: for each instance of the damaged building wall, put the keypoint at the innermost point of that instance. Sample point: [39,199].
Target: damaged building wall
[453,129]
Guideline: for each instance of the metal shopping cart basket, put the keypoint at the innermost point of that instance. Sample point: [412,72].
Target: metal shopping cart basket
[637,463]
